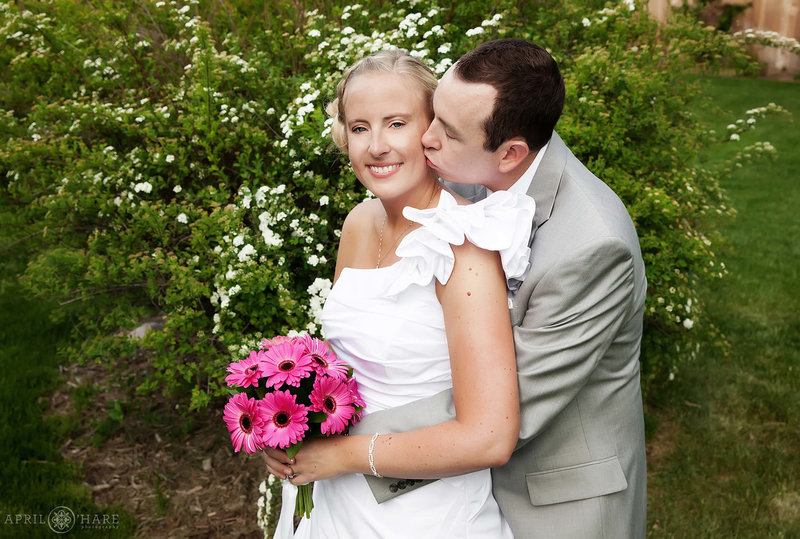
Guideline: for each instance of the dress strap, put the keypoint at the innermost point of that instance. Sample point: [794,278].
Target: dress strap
[501,222]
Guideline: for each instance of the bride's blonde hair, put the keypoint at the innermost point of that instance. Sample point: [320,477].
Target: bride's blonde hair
[388,61]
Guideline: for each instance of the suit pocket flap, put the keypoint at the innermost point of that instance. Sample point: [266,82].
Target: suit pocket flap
[578,482]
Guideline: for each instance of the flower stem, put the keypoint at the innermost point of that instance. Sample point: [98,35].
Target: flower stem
[305,502]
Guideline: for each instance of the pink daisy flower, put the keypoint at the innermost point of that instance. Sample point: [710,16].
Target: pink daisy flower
[266,344]
[286,363]
[246,372]
[245,423]
[332,396]
[358,402]
[285,420]
[325,361]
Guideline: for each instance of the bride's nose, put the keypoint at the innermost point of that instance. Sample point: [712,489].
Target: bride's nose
[378,145]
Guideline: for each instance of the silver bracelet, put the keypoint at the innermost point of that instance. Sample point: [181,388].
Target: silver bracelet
[371,458]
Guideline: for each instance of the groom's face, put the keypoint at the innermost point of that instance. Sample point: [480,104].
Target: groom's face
[454,141]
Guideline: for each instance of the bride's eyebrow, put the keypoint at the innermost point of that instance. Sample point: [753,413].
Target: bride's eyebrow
[393,116]
[401,115]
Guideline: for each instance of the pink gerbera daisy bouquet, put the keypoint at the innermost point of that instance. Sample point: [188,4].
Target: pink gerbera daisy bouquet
[294,387]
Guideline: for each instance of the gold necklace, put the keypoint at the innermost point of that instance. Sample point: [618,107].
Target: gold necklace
[436,189]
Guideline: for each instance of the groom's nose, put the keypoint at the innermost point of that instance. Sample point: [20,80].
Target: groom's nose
[430,138]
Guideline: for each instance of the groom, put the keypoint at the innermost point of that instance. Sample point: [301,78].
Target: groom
[579,467]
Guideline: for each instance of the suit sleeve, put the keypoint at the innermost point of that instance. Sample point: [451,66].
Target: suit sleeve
[573,314]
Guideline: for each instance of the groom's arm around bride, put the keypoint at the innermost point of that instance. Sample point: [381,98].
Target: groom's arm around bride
[579,467]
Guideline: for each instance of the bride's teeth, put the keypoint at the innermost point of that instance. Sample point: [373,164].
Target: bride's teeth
[384,170]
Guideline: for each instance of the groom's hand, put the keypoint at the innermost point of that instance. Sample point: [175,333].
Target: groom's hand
[278,462]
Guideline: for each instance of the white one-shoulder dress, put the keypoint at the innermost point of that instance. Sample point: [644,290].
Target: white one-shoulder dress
[388,325]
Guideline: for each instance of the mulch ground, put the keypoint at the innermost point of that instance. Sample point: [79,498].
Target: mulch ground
[175,485]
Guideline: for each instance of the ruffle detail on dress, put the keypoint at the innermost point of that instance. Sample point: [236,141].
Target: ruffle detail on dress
[500,222]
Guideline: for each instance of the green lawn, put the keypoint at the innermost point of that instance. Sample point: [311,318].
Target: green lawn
[34,478]
[726,458]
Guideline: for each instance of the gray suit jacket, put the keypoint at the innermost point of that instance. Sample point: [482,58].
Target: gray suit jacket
[579,467]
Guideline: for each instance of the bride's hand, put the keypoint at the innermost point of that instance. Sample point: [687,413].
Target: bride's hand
[318,459]
[278,462]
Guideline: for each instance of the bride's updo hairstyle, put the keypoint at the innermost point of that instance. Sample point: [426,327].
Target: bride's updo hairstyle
[388,61]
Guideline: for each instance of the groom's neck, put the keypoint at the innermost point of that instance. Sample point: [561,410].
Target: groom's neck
[504,181]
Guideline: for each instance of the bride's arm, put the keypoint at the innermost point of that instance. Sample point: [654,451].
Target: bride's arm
[485,429]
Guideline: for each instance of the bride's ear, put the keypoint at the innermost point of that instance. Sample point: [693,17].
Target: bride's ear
[512,153]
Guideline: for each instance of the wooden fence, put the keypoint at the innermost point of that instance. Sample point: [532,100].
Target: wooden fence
[781,16]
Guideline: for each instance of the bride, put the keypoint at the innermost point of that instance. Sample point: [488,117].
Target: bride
[418,305]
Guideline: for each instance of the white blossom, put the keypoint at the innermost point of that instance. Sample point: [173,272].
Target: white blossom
[246,252]
[181,218]
[143,187]
[270,237]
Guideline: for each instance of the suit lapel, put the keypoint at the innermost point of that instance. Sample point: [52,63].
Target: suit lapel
[543,190]
[545,182]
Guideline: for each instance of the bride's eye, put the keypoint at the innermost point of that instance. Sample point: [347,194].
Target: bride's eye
[358,129]
[396,125]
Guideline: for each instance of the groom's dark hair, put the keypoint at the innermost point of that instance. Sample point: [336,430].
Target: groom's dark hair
[530,90]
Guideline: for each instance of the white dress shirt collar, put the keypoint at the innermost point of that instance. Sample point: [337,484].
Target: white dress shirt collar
[523,184]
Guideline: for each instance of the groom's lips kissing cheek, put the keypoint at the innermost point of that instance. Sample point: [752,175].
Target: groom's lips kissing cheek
[429,162]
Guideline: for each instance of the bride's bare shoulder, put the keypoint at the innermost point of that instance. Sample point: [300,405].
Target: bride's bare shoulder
[363,217]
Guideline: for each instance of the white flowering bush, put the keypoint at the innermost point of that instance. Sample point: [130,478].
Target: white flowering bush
[173,159]
[169,165]
[768,38]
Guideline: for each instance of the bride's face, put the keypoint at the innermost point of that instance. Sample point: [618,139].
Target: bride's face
[386,115]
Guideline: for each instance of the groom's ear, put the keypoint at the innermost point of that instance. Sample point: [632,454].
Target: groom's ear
[512,152]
